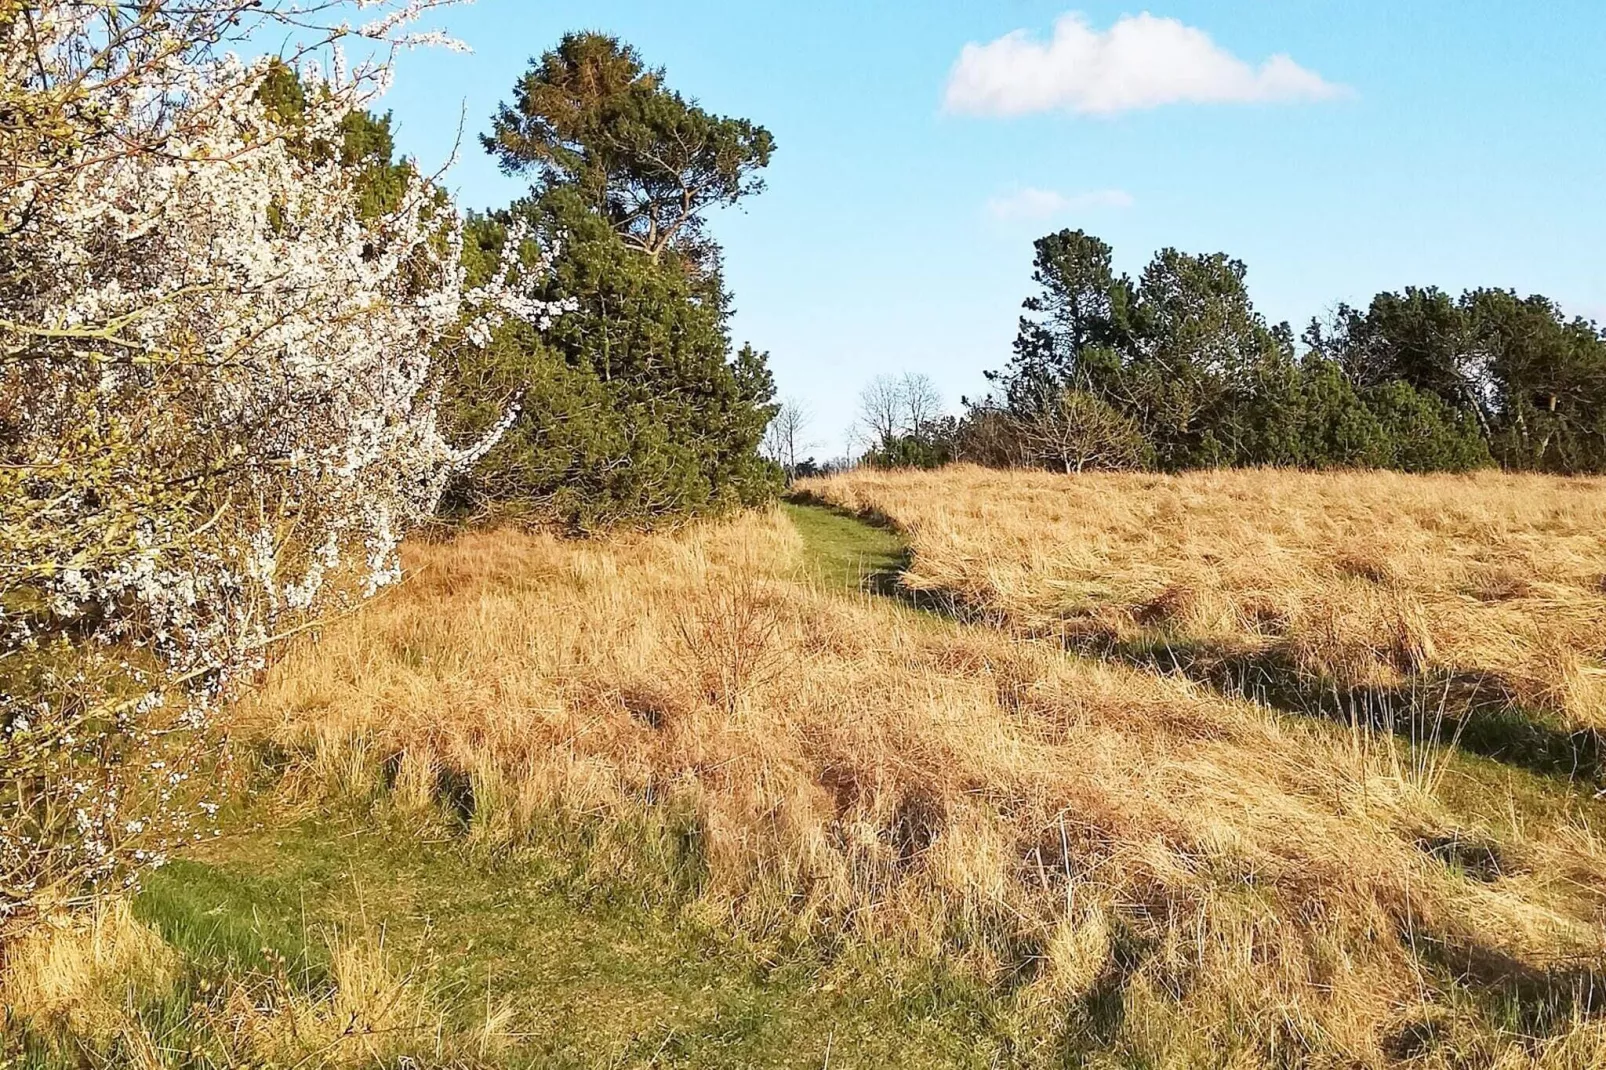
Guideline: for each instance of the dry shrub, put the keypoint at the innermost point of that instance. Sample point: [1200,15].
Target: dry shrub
[833,766]
[1358,577]
[729,638]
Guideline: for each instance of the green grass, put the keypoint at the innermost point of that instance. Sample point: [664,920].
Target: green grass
[846,551]
[608,976]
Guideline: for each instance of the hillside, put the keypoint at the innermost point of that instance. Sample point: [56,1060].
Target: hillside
[746,795]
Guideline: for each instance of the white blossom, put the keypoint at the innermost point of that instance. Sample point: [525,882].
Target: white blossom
[218,379]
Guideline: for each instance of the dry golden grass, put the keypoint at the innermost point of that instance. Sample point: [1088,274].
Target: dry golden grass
[77,973]
[1160,874]
[95,979]
[1363,578]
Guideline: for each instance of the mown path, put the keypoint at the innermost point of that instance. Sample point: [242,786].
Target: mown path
[847,551]
[588,974]
[593,974]
[850,552]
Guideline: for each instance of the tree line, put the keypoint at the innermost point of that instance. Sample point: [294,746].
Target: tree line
[1176,370]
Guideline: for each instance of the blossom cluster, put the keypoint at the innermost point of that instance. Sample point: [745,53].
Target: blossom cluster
[218,403]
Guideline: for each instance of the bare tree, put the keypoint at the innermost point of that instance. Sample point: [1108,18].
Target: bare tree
[1076,432]
[881,411]
[783,439]
[897,406]
[921,402]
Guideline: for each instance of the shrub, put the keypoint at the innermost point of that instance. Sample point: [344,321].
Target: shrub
[1075,431]
[216,422]
[1423,433]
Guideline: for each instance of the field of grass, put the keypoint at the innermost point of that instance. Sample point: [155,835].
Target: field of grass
[711,798]
[363,939]
[1479,600]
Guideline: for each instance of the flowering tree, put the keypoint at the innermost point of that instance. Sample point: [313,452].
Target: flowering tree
[217,396]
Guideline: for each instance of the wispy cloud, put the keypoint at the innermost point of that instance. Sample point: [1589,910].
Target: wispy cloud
[1033,203]
[1142,61]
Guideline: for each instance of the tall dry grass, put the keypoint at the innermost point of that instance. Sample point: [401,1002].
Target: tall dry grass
[1366,578]
[1156,873]
[104,989]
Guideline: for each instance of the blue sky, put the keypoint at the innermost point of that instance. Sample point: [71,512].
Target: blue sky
[1450,142]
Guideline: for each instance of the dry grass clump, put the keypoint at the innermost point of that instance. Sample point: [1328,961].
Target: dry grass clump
[80,972]
[1365,578]
[1154,870]
[109,989]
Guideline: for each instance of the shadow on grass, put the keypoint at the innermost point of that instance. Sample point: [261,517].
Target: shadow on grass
[1477,712]
[1523,1000]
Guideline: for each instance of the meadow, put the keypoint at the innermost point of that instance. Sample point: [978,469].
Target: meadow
[1480,597]
[425,640]
[989,781]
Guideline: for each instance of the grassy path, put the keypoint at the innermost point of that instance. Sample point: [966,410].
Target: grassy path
[580,975]
[578,971]
[846,551]
[851,553]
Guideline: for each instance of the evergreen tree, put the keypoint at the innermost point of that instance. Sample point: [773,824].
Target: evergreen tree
[1530,381]
[1417,381]
[1423,432]
[632,406]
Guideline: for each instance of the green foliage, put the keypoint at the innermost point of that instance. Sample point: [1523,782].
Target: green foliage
[1197,346]
[589,116]
[1530,382]
[1081,314]
[932,445]
[1426,433]
[1419,381]
[631,407]
[908,451]
[901,419]
[366,143]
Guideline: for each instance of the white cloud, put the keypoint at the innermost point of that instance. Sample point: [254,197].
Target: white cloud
[1033,203]
[1142,61]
